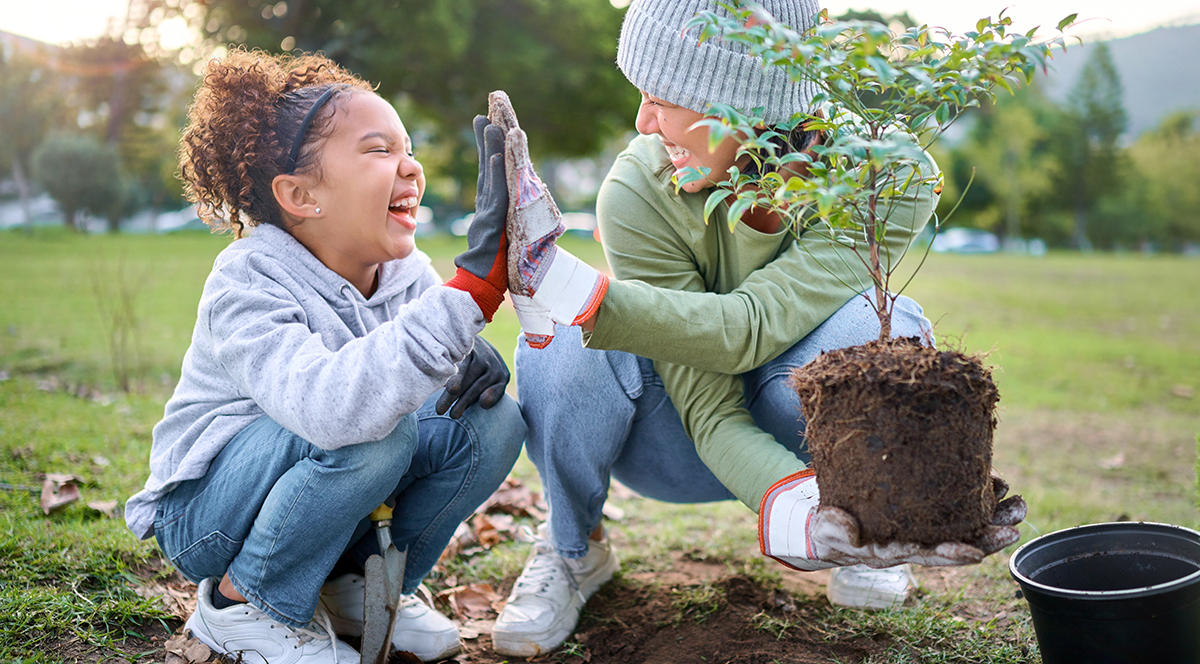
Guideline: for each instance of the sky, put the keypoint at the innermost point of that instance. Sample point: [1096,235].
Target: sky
[64,21]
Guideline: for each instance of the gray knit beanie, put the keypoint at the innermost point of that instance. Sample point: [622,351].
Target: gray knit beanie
[658,57]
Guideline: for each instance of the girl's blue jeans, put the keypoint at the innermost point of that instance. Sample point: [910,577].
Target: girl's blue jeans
[596,414]
[276,512]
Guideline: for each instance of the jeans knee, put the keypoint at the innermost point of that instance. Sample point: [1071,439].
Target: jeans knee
[381,460]
[500,435]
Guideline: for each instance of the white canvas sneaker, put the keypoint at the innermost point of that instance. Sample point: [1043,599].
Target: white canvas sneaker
[251,636]
[861,587]
[419,629]
[545,602]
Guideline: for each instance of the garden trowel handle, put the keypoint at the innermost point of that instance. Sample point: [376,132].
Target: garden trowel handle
[381,518]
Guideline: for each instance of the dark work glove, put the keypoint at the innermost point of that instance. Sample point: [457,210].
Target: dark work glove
[482,377]
[483,267]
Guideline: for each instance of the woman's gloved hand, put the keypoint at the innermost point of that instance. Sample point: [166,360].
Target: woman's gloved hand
[483,268]
[548,285]
[796,531]
[481,378]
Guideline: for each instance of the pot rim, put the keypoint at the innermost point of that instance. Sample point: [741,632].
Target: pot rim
[1128,593]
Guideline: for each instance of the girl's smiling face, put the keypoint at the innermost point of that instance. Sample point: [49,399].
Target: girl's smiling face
[686,144]
[368,191]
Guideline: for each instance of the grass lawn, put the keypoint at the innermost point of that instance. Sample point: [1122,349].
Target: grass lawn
[1098,362]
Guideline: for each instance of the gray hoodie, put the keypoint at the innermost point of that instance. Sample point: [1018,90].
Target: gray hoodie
[279,334]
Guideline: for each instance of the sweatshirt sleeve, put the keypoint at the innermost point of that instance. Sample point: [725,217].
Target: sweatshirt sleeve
[350,395]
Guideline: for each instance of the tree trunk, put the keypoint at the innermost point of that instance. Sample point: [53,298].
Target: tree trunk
[1080,238]
[23,191]
[1012,222]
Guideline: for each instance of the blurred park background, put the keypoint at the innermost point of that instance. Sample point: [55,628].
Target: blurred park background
[1101,153]
[1073,258]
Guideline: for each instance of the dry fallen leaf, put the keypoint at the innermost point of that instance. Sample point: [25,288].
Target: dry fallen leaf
[1113,462]
[514,498]
[472,602]
[463,537]
[485,532]
[106,507]
[178,596]
[197,652]
[58,491]
[182,649]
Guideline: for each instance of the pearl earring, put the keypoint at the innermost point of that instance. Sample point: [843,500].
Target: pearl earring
[318,210]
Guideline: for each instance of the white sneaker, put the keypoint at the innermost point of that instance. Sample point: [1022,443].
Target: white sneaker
[252,636]
[544,605]
[419,629]
[861,587]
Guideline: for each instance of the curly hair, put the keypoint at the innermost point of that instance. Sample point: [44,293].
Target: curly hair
[241,125]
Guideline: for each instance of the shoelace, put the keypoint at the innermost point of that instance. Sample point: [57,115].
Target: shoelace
[544,566]
[308,633]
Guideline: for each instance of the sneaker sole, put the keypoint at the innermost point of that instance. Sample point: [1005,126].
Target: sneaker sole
[194,625]
[521,644]
[524,644]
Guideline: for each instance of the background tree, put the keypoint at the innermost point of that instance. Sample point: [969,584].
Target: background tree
[555,58]
[1088,135]
[29,105]
[1167,158]
[80,173]
[133,102]
[1008,149]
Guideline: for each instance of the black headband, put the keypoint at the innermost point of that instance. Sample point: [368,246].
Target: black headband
[308,118]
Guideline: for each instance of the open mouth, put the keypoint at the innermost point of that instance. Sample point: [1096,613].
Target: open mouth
[677,153]
[404,208]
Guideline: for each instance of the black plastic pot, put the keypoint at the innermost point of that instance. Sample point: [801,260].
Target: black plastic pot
[1113,592]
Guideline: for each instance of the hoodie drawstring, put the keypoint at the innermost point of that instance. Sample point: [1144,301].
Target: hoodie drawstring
[354,303]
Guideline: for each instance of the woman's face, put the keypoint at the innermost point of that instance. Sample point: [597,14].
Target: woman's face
[686,144]
[370,187]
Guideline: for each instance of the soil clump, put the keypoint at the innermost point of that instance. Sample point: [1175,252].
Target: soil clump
[901,437]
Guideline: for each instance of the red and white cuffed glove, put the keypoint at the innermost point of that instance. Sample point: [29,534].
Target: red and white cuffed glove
[795,530]
[548,284]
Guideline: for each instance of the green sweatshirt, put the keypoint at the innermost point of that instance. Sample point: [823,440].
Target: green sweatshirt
[707,304]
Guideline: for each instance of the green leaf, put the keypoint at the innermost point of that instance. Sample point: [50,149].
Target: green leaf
[714,199]
[1066,22]
[943,113]
[737,209]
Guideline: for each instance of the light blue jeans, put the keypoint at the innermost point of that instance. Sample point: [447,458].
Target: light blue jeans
[595,414]
[276,512]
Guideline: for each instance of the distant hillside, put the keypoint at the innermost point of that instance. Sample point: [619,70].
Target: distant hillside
[1158,71]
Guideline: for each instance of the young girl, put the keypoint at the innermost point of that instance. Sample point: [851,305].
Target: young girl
[313,388]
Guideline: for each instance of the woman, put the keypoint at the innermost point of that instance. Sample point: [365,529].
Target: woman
[681,391]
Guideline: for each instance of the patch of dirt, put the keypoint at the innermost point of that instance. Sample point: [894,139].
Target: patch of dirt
[698,612]
[150,637]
